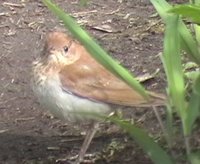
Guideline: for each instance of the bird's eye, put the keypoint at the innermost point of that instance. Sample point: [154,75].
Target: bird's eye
[65,49]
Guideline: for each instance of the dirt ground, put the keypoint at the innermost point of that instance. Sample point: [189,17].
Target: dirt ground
[128,29]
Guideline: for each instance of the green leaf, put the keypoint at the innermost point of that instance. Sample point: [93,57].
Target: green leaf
[192,75]
[192,112]
[162,7]
[197,33]
[193,109]
[195,157]
[95,50]
[188,11]
[172,64]
[187,41]
[191,12]
[156,153]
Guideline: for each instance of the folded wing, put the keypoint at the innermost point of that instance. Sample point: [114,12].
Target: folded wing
[88,79]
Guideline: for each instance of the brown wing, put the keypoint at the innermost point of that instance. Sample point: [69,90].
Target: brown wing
[88,79]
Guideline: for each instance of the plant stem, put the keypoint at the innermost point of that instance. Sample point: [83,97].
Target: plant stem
[187,144]
[162,126]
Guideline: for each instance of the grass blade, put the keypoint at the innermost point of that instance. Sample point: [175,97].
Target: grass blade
[187,41]
[156,153]
[193,110]
[95,50]
[150,147]
[172,63]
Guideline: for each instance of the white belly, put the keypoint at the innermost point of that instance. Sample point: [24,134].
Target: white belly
[65,105]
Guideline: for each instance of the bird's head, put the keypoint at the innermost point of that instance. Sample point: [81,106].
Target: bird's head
[60,49]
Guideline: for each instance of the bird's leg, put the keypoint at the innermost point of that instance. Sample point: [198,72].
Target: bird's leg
[89,136]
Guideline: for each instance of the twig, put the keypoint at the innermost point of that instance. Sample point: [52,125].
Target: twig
[3,131]
[83,13]
[24,119]
[53,148]
[113,12]
[13,4]
[4,14]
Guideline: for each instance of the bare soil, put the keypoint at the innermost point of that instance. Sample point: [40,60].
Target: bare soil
[129,30]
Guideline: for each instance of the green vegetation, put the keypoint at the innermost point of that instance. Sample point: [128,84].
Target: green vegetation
[183,93]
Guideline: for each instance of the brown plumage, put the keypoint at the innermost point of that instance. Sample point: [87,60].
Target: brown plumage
[68,80]
[85,77]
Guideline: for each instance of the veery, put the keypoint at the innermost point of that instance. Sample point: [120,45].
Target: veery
[69,81]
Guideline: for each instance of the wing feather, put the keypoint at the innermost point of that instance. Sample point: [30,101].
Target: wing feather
[88,79]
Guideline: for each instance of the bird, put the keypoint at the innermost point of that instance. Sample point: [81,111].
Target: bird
[68,81]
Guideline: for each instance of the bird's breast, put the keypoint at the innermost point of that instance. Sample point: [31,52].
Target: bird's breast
[64,104]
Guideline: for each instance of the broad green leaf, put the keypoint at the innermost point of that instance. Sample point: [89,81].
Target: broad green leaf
[189,11]
[172,64]
[95,50]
